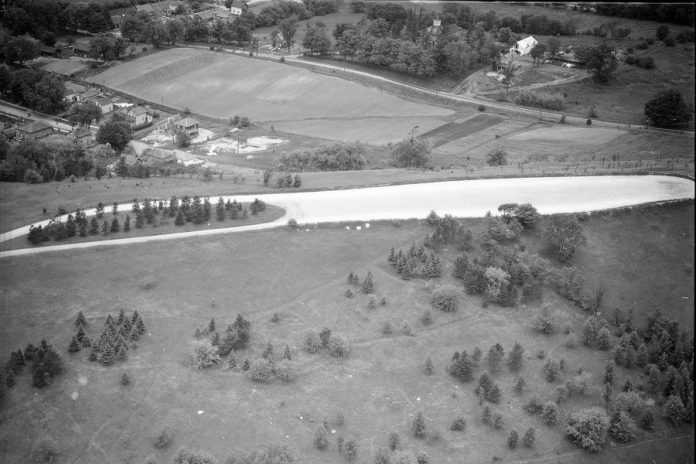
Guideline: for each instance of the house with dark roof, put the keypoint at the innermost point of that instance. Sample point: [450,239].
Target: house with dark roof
[34,130]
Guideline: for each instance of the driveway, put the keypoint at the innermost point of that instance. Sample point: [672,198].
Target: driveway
[468,198]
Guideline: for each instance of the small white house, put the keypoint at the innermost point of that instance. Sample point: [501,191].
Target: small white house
[105,104]
[524,46]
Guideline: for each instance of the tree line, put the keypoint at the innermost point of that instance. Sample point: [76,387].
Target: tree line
[34,161]
[33,88]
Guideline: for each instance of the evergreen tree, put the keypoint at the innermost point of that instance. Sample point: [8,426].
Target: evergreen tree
[325,337]
[245,366]
[10,381]
[121,353]
[495,356]
[519,386]
[392,255]
[121,317]
[70,226]
[41,377]
[80,320]
[105,228]
[512,439]
[268,352]
[287,355]
[368,285]
[515,357]
[321,437]
[93,226]
[606,393]
[83,229]
[140,220]
[486,415]
[220,210]
[609,371]
[29,352]
[93,354]
[106,356]
[428,366]
[74,346]
[126,224]
[476,356]
[125,380]
[211,326]
[418,426]
[215,339]
[115,226]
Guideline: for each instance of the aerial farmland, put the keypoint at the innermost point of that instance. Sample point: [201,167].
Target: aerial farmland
[332,231]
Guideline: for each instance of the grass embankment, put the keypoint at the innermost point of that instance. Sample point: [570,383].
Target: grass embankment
[302,277]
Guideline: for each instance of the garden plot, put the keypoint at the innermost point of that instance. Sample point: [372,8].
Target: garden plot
[583,135]
[455,130]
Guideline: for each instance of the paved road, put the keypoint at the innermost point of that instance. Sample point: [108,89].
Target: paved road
[16,110]
[468,198]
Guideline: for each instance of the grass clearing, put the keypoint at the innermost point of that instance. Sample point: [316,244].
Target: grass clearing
[301,276]
[221,85]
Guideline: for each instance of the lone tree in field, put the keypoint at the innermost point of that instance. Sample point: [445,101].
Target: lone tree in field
[321,437]
[515,357]
[496,157]
[513,439]
[529,437]
[668,109]
[445,298]
[411,154]
[565,235]
[368,285]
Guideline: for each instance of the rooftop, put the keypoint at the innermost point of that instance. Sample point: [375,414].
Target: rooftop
[188,122]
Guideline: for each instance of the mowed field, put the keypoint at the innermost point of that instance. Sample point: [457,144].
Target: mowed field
[289,98]
[90,417]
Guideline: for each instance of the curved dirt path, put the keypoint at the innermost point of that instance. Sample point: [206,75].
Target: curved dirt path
[468,198]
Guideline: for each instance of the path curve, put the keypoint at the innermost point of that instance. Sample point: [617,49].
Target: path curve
[467,198]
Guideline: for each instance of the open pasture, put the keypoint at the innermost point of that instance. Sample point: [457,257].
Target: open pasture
[378,389]
[222,85]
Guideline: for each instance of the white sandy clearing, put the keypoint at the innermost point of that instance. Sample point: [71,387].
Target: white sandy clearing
[586,135]
[203,136]
[226,145]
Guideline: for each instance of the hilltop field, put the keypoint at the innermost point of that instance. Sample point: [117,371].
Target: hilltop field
[286,283]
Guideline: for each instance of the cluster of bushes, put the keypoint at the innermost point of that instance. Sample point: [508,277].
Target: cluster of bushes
[335,345]
[272,453]
[645,62]
[549,102]
[46,364]
[411,154]
[417,262]
[41,17]
[117,337]
[35,161]
[448,230]
[334,157]
[272,15]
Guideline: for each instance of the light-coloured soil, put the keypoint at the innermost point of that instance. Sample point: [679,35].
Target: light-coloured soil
[589,135]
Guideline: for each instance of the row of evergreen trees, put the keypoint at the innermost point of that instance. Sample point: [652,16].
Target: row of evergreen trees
[416,263]
[188,209]
[235,338]
[46,364]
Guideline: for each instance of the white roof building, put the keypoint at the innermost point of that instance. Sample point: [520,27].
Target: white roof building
[524,46]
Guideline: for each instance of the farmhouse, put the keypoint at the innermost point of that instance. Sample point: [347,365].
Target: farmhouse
[188,126]
[34,130]
[105,104]
[524,46]
[136,116]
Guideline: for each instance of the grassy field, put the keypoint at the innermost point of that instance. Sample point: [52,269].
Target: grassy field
[624,99]
[378,389]
[221,85]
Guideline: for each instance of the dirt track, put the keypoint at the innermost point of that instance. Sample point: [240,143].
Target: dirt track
[469,198]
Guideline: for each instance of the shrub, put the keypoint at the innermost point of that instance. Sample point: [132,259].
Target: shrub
[321,437]
[482,108]
[292,224]
[630,59]
[647,419]
[458,425]
[186,456]
[646,62]
[549,414]
[586,428]
[674,410]
[498,421]
[351,449]
[571,341]
[205,354]
[668,109]
[551,369]
[163,440]
[548,102]
[622,427]
[427,318]
[261,370]
[445,298]
[669,42]
[534,406]
[394,441]
[312,342]
[125,380]
[512,439]
[285,370]
[418,426]
[529,437]
[338,347]
[543,322]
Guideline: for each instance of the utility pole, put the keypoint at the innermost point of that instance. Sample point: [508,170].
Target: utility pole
[412,131]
